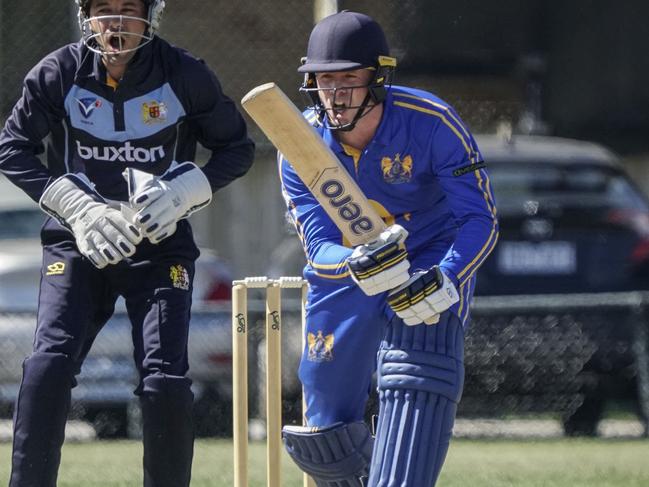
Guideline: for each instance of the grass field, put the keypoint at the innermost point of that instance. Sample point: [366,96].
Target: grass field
[494,463]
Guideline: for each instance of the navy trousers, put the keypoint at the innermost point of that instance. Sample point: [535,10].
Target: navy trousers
[75,302]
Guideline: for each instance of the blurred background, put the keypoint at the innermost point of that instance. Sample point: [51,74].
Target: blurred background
[520,74]
[578,69]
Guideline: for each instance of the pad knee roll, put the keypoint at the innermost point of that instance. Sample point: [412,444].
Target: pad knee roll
[420,371]
[335,456]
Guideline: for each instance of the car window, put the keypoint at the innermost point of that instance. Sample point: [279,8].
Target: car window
[575,186]
[21,223]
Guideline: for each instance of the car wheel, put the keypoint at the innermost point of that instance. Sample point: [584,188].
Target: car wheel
[108,422]
[584,421]
[212,414]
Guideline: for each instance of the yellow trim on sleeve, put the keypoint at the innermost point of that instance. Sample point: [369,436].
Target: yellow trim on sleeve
[327,266]
[332,276]
[469,150]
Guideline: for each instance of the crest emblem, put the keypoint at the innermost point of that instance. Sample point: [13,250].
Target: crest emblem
[397,170]
[55,269]
[154,112]
[87,105]
[321,347]
[179,277]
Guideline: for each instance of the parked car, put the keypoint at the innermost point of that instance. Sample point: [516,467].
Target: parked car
[571,219]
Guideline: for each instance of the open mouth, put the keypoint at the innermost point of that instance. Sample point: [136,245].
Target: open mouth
[116,42]
[339,108]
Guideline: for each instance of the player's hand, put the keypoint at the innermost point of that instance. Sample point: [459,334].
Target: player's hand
[381,265]
[161,201]
[423,297]
[102,233]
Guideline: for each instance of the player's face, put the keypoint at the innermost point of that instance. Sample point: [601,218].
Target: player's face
[121,25]
[342,93]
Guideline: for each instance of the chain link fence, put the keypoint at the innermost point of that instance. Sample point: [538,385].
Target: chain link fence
[562,356]
[559,355]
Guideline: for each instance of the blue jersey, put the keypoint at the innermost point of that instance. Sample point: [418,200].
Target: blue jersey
[422,170]
[166,103]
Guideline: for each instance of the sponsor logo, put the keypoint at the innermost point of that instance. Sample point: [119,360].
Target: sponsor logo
[154,112]
[125,153]
[179,277]
[396,170]
[347,209]
[87,105]
[467,169]
[321,347]
[241,323]
[55,269]
[274,320]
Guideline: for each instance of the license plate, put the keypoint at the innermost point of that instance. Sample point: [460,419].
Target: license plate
[549,258]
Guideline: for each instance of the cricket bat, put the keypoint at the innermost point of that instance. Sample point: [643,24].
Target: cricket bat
[314,162]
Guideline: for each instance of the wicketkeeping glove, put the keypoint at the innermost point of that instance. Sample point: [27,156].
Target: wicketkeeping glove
[381,265]
[423,297]
[161,201]
[102,233]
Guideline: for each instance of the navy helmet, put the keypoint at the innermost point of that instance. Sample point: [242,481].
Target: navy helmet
[346,41]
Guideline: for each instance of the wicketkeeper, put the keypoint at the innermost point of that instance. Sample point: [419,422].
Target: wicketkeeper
[120,104]
[400,305]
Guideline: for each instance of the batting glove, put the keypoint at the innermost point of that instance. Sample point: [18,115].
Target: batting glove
[423,297]
[381,265]
[161,201]
[102,233]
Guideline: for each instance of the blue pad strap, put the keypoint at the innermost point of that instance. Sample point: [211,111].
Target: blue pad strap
[420,380]
[335,456]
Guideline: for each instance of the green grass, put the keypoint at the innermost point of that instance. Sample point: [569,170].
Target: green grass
[498,463]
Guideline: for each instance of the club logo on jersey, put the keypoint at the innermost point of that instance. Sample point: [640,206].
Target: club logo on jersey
[125,153]
[55,269]
[179,277]
[321,347]
[396,170]
[154,112]
[87,105]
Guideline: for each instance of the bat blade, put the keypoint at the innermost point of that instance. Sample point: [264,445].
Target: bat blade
[314,162]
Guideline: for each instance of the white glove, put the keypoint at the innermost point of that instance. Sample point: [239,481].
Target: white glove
[423,297]
[381,265]
[102,233]
[161,201]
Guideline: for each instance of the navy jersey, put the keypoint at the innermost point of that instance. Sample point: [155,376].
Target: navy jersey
[166,103]
[421,170]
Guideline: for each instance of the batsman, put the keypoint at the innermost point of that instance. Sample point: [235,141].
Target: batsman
[121,112]
[398,305]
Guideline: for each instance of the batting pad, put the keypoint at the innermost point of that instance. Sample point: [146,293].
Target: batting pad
[420,380]
[335,456]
